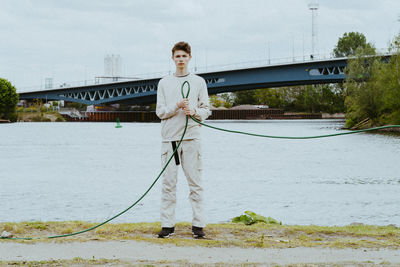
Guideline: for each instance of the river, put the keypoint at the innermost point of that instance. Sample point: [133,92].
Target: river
[91,171]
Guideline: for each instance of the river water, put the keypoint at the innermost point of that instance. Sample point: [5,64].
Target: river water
[92,171]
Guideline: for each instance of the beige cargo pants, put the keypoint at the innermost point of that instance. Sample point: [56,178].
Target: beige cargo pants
[190,158]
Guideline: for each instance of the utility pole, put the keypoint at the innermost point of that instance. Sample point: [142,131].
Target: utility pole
[313,6]
[293,49]
[303,48]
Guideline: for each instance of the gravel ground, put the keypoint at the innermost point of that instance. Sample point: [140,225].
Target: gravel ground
[135,252]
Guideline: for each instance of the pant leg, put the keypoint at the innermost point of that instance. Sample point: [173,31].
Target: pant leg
[168,191]
[192,167]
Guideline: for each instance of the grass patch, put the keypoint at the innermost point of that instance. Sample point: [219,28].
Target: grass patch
[38,115]
[217,235]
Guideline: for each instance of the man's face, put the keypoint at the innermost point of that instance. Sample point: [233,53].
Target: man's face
[181,59]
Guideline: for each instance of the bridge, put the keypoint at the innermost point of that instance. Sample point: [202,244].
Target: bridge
[145,90]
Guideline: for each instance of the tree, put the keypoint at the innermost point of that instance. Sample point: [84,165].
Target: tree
[310,98]
[389,78]
[8,100]
[270,97]
[245,97]
[228,99]
[348,44]
[365,88]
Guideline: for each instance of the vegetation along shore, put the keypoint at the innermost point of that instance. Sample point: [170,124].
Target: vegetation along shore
[258,235]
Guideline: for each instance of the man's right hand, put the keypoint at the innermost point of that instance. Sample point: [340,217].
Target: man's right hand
[183,103]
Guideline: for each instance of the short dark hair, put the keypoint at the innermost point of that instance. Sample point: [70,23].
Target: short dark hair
[181,46]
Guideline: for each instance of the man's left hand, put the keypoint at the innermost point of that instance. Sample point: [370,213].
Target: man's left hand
[189,111]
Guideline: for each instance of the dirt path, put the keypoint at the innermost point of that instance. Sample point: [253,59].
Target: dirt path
[136,252]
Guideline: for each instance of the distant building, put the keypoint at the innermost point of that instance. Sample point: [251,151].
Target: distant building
[113,67]
[48,83]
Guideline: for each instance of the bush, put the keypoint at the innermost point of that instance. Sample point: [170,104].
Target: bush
[227,105]
[13,117]
[373,88]
[78,106]
[8,100]
[251,217]
[37,118]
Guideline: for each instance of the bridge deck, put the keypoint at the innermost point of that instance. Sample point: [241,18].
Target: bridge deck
[145,90]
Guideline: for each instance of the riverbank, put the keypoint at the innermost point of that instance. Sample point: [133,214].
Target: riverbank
[220,114]
[34,115]
[259,235]
[135,244]
[73,115]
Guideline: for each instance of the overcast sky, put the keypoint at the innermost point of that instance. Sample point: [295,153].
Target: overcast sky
[67,40]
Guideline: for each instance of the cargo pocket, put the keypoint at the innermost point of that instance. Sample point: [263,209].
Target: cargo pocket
[164,154]
[199,161]
[199,155]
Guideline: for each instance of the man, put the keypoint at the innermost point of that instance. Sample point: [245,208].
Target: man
[172,109]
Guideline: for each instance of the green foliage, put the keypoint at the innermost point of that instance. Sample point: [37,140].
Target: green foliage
[349,43]
[227,97]
[78,106]
[215,101]
[227,105]
[243,219]
[224,100]
[374,88]
[40,118]
[270,96]
[8,100]
[320,98]
[244,97]
[311,98]
[251,217]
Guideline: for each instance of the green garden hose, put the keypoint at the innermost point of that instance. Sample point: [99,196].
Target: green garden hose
[294,137]
[131,206]
[170,158]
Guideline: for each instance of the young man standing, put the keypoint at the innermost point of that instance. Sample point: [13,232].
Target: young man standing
[172,109]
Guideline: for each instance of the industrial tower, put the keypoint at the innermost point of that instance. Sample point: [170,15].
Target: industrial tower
[313,6]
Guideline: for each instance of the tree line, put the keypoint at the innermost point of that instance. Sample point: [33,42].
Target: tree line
[310,98]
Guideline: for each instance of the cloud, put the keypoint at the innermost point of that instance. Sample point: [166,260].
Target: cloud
[68,39]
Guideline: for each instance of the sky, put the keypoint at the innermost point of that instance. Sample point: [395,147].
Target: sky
[67,40]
